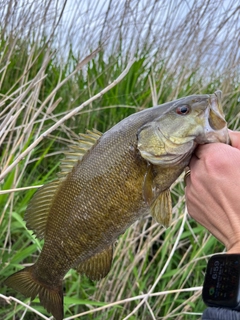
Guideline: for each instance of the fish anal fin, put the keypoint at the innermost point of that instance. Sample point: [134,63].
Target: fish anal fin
[51,298]
[39,207]
[161,209]
[98,266]
[76,152]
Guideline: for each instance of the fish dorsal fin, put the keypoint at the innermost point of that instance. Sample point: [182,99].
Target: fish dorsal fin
[76,152]
[98,266]
[161,209]
[39,207]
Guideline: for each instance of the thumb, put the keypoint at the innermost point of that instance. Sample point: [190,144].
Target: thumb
[234,138]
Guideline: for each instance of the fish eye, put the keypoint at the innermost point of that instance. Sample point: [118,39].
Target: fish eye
[183,109]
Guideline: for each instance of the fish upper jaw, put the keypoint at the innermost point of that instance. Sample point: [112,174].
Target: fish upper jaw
[215,127]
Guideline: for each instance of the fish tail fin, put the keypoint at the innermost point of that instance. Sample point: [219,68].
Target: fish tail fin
[50,297]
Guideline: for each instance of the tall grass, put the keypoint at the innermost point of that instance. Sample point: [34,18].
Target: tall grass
[55,56]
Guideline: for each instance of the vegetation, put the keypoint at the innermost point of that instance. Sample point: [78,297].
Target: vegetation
[180,48]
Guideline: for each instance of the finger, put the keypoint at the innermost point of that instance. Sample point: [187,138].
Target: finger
[191,166]
[187,175]
[193,162]
[201,150]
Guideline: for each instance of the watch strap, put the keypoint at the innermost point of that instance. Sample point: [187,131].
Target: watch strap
[212,313]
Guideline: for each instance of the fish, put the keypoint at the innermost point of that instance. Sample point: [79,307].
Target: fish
[105,184]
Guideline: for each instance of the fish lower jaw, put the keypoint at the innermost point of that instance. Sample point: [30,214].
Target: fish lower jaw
[165,160]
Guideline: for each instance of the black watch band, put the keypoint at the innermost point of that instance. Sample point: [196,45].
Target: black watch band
[212,313]
[222,282]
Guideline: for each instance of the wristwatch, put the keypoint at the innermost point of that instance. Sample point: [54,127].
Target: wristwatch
[222,282]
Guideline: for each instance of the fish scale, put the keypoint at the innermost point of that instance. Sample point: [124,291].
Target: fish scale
[106,183]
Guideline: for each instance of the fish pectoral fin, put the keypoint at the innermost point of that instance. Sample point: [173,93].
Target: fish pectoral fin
[148,185]
[161,209]
[39,207]
[98,266]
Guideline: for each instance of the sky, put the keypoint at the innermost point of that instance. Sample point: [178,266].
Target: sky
[169,26]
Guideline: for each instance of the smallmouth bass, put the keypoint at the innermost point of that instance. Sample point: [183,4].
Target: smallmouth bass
[106,183]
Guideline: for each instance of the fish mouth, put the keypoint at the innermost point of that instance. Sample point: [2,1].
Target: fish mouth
[215,123]
[216,116]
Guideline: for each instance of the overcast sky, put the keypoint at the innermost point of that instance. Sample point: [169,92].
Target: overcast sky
[169,26]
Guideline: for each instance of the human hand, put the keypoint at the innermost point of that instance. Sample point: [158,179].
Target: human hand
[213,190]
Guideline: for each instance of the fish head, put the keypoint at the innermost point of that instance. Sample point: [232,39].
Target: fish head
[171,138]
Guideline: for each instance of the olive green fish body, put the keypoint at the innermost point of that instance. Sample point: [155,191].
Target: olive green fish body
[106,183]
[92,208]
[98,200]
